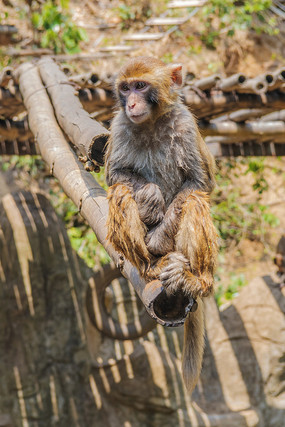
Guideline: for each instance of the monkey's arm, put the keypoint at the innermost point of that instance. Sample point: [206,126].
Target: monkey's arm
[147,195]
[161,239]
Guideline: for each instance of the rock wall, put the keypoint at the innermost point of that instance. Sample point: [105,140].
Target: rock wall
[56,369]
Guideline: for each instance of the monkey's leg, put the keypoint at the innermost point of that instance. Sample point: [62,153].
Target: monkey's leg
[191,266]
[126,232]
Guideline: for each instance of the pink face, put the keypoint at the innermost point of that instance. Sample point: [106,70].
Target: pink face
[134,98]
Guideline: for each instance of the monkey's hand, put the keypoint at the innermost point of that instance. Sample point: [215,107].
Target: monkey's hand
[158,241]
[161,239]
[150,203]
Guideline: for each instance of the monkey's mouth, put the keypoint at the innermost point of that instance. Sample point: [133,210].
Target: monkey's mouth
[137,117]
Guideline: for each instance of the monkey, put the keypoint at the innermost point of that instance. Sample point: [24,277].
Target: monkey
[160,174]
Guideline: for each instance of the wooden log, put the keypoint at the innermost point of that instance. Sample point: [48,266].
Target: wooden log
[276,79]
[94,99]
[256,85]
[241,139]
[232,83]
[15,130]
[207,82]
[117,48]
[18,148]
[185,3]
[14,52]
[249,129]
[5,76]
[11,103]
[244,149]
[242,115]
[86,134]
[218,102]
[144,36]
[7,34]
[276,115]
[166,21]
[85,80]
[85,192]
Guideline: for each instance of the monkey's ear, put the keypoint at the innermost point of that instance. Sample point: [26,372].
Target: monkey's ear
[176,74]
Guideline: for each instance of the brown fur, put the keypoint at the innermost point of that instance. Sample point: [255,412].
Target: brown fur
[160,173]
[125,229]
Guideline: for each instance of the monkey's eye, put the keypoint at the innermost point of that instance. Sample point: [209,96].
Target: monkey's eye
[124,87]
[140,85]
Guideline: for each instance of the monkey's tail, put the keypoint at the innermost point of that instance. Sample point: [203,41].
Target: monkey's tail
[193,347]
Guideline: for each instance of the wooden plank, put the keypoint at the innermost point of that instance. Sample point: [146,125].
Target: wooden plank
[117,48]
[180,4]
[167,21]
[144,36]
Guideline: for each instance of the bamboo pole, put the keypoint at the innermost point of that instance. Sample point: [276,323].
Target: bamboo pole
[220,103]
[5,76]
[86,134]
[11,102]
[276,115]
[11,130]
[249,129]
[242,115]
[18,148]
[85,192]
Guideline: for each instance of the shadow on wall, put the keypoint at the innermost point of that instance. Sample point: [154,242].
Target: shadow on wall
[56,369]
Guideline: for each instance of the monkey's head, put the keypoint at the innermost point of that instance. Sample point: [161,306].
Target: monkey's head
[147,88]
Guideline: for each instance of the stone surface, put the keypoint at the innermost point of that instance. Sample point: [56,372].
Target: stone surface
[56,369]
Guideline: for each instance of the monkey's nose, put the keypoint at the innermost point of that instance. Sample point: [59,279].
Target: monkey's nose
[131,106]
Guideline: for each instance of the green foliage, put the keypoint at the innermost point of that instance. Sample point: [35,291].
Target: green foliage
[234,218]
[167,57]
[223,294]
[126,15]
[3,16]
[85,243]
[56,29]
[256,168]
[33,165]
[227,16]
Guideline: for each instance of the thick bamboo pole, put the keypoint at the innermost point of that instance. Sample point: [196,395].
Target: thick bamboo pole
[219,102]
[12,130]
[249,129]
[86,134]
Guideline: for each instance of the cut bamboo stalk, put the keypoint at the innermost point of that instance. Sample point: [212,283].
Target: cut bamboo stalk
[117,48]
[186,3]
[144,36]
[249,129]
[11,130]
[166,21]
[86,134]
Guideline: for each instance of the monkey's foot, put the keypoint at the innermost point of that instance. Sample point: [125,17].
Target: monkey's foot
[176,275]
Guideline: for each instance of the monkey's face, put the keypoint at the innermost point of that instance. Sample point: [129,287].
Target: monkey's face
[137,97]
